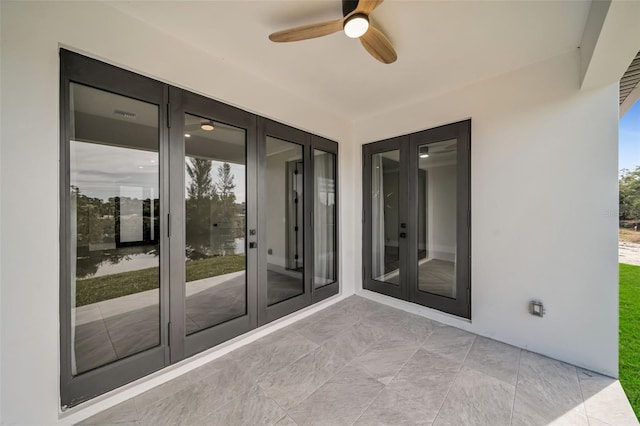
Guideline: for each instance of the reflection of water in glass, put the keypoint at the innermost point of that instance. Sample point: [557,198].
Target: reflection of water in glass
[137,261]
[131,262]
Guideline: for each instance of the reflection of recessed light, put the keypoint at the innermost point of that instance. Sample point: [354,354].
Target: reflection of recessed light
[187,135]
[206,125]
[140,167]
[424,155]
[153,161]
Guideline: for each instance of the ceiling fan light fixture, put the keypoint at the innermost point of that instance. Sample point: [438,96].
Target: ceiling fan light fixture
[207,125]
[356,25]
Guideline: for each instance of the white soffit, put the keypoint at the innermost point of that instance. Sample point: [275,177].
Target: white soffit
[441,45]
[630,86]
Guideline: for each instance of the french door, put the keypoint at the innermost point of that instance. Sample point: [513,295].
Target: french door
[185,222]
[417,218]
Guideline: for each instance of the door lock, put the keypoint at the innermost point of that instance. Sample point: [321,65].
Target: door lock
[403,235]
[253,244]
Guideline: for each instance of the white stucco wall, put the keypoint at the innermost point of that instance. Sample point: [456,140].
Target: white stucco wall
[544,207]
[541,149]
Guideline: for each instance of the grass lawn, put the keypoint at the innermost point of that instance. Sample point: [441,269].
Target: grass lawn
[97,289]
[630,333]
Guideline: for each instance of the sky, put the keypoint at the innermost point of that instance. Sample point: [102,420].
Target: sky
[629,139]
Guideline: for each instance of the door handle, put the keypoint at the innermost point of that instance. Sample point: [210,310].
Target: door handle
[253,244]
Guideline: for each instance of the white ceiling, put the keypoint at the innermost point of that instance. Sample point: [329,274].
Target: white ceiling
[441,45]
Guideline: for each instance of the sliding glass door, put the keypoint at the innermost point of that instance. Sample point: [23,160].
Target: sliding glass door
[185,222]
[417,218]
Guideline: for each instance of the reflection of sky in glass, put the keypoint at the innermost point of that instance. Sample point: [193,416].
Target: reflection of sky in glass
[101,170]
[238,172]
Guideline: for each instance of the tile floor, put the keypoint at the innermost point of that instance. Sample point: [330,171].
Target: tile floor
[363,363]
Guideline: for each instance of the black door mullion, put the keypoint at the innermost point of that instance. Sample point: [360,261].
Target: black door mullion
[410,260]
[175,218]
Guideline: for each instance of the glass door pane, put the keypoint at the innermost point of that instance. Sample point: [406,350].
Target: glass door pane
[385,226]
[215,222]
[324,231]
[284,212]
[437,213]
[114,227]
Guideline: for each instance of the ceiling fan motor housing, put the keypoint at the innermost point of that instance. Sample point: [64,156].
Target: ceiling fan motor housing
[348,6]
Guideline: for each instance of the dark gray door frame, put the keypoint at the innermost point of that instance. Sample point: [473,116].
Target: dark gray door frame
[181,103]
[408,214]
[83,70]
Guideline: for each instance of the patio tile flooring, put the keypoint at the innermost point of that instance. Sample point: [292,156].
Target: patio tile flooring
[360,362]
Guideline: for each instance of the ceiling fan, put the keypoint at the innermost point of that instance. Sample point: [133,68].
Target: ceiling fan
[355,23]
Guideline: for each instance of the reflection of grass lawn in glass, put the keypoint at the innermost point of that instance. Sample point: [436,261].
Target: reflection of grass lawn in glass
[92,290]
[630,333]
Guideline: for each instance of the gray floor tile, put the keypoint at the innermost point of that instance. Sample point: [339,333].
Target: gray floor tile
[182,382]
[450,342]
[188,406]
[392,408]
[477,399]
[272,352]
[292,384]
[286,421]
[596,422]
[604,399]
[425,380]
[340,401]
[359,306]
[331,368]
[197,399]
[121,414]
[495,359]
[351,342]
[329,326]
[251,408]
[384,359]
[548,392]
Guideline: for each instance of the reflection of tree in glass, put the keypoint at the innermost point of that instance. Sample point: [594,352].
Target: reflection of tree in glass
[212,224]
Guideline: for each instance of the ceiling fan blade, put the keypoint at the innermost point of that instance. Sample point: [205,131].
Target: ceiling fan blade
[378,46]
[305,32]
[367,6]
